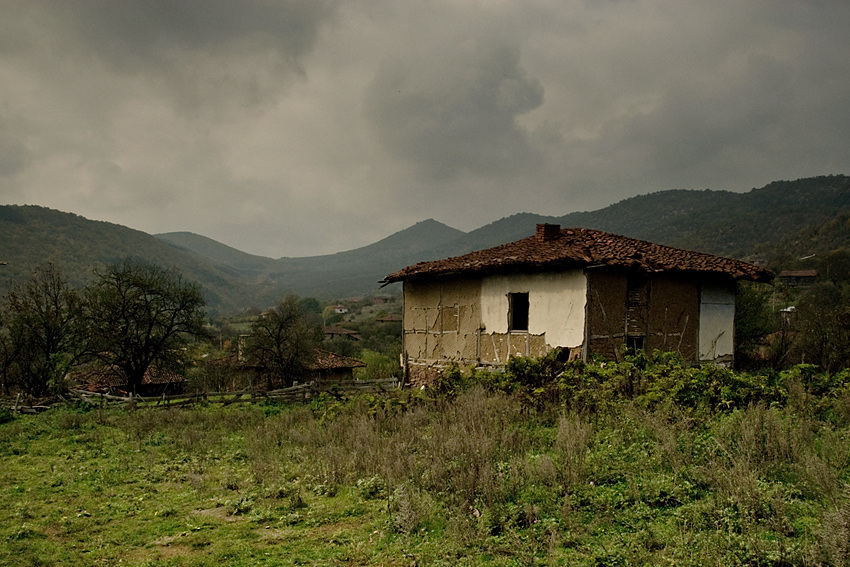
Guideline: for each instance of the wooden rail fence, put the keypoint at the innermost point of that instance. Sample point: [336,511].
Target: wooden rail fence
[298,393]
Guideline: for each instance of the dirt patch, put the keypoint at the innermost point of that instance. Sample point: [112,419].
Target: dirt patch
[219,513]
[168,540]
[332,533]
[54,532]
[274,535]
[181,550]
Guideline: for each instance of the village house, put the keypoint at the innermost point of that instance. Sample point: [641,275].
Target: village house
[798,278]
[323,367]
[336,331]
[329,367]
[587,291]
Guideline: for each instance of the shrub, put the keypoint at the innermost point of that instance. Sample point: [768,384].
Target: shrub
[372,487]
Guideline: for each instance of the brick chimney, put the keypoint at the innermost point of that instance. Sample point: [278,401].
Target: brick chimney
[547,232]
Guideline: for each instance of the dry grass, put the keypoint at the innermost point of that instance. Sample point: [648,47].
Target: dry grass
[480,478]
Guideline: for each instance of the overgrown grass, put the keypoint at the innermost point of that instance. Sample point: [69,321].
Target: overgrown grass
[599,465]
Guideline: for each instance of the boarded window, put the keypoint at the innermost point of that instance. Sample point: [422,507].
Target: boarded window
[637,304]
[518,311]
[450,318]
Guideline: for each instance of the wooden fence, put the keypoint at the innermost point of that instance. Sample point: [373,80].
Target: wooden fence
[298,393]
[18,407]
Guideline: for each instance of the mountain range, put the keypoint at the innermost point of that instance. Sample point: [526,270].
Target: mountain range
[780,220]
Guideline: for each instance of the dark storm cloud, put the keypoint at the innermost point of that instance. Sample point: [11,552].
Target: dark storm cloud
[455,112]
[699,124]
[776,113]
[288,128]
[215,51]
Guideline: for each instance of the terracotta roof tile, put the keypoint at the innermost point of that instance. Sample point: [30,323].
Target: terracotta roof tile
[326,360]
[555,248]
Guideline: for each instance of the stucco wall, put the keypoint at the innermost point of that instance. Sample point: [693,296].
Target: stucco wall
[466,321]
[441,320]
[717,321]
[556,305]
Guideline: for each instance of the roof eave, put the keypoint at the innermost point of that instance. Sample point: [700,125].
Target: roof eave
[764,276]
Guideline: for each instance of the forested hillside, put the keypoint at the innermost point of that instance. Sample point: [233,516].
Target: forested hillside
[33,236]
[781,222]
[721,222]
[717,222]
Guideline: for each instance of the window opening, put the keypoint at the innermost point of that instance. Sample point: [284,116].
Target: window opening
[518,311]
[634,344]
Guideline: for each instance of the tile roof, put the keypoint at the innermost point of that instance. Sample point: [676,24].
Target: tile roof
[95,378]
[555,248]
[326,360]
[337,330]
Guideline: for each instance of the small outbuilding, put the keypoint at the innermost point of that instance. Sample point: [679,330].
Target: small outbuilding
[336,331]
[798,278]
[584,290]
[331,367]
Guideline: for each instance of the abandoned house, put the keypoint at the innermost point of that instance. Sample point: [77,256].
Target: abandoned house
[585,290]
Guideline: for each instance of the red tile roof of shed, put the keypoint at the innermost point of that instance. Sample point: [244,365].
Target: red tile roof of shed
[326,360]
[556,248]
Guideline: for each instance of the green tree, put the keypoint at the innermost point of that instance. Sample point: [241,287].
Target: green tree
[6,355]
[330,316]
[753,322]
[283,341]
[378,366]
[823,326]
[41,339]
[141,316]
[311,305]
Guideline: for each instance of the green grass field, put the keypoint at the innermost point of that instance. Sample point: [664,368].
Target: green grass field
[479,479]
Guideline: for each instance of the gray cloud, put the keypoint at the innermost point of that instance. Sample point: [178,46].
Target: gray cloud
[456,113]
[214,52]
[14,155]
[294,128]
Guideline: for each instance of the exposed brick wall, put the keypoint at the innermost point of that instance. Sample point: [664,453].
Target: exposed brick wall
[421,375]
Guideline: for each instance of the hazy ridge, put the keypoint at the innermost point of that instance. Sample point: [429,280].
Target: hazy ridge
[779,220]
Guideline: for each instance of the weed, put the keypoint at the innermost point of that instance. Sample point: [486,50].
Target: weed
[372,487]
[70,420]
[835,532]
[645,461]
[411,509]
[239,505]
[6,415]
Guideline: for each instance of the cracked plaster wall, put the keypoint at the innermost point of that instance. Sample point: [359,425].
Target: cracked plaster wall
[466,321]
[716,322]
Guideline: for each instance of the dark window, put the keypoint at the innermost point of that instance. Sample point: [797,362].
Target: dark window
[517,311]
[634,343]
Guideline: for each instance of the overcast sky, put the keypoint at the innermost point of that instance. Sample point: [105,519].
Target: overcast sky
[291,128]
